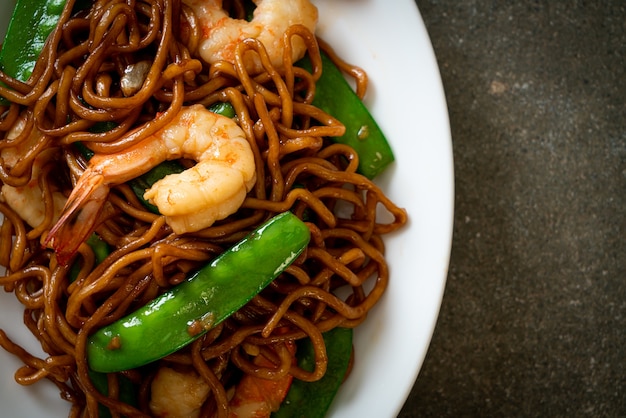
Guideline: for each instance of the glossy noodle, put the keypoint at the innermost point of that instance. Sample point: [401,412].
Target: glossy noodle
[111,76]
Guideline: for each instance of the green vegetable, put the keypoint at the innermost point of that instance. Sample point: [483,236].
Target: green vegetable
[223,108]
[100,249]
[334,95]
[312,399]
[145,181]
[127,391]
[102,127]
[30,25]
[184,313]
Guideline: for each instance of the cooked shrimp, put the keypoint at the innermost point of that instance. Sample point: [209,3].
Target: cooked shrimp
[27,201]
[192,200]
[221,33]
[177,394]
[181,393]
[258,398]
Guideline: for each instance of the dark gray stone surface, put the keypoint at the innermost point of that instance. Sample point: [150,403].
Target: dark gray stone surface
[533,321]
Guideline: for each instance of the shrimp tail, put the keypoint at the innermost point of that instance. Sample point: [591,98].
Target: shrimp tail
[79,218]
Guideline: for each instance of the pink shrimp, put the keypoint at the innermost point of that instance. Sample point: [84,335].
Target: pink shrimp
[181,393]
[192,200]
[256,397]
[178,394]
[221,33]
[27,200]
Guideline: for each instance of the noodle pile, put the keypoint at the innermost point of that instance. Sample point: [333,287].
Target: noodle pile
[73,92]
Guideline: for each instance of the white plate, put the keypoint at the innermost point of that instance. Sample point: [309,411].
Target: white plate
[406,98]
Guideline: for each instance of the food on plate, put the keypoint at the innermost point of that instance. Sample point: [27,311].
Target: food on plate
[217,34]
[191,200]
[187,219]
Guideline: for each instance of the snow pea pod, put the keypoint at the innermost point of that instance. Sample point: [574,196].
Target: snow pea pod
[140,184]
[187,311]
[100,249]
[128,391]
[312,399]
[30,25]
[334,95]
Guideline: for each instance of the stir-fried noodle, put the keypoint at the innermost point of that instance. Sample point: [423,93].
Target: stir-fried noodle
[75,91]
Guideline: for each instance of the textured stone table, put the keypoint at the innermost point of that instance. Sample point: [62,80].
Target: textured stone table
[533,321]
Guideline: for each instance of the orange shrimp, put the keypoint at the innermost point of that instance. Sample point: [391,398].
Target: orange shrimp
[177,394]
[256,397]
[192,200]
[272,18]
[27,200]
[181,393]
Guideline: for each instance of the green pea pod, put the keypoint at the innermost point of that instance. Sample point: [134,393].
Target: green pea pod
[223,108]
[140,184]
[30,25]
[334,95]
[184,313]
[128,391]
[312,399]
[100,249]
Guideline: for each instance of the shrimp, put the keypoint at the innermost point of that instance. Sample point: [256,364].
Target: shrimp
[221,33]
[256,397]
[211,190]
[177,394]
[181,393]
[27,200]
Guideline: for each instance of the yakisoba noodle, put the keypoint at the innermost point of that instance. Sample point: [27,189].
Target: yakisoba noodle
[74,86]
